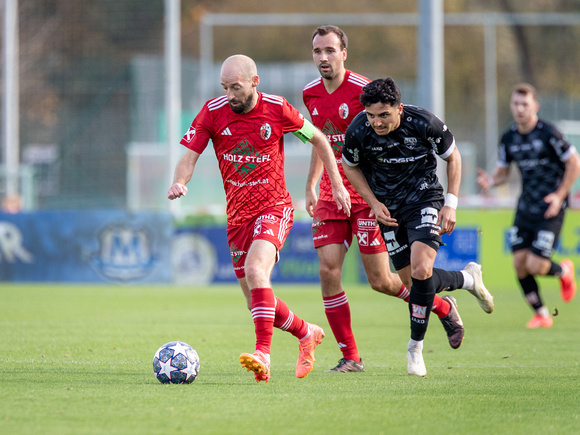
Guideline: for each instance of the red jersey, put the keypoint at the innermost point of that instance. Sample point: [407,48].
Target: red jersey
[250,150]
[332,113]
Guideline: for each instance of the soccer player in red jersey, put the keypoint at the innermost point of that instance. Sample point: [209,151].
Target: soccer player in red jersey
[246,128]
[333,101]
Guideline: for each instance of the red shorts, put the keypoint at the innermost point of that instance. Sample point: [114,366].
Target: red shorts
[272,225]
[329,226]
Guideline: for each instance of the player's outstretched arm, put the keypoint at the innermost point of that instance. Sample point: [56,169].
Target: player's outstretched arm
[183,172]
[324,151]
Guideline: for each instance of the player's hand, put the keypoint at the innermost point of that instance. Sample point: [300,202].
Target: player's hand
[342,199]
[310,201]
[554,205]
[177,190]
[382,214]
[447,219]
[483,180]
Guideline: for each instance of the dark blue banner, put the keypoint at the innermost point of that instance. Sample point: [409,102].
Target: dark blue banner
[460,247]
[95,246]
[121,247]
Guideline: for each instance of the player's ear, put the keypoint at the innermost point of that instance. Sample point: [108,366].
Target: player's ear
[344,54]
[255,81]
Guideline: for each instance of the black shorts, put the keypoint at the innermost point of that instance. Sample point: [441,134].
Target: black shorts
[415,224]
[538,235]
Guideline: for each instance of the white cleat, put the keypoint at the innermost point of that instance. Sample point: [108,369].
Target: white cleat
[415,363]
[484,297]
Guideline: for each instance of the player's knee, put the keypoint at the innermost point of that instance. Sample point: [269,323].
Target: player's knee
[254,273]
[537,267]
[532,270]
[421,271]
[329,273]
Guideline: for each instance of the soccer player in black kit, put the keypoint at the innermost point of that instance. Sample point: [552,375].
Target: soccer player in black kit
[389,156]
[549,166]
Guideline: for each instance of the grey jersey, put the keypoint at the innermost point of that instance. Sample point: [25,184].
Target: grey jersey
[400,167]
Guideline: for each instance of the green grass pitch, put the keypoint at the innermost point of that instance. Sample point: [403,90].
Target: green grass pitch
[76,359]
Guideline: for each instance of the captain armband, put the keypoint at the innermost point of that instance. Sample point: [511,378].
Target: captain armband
[306,132]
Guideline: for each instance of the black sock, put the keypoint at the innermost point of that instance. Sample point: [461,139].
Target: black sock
[555,269]
[531,291]
[420,305]
[445,280]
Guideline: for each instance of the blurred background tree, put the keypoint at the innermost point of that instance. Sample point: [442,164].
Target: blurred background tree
[78,82]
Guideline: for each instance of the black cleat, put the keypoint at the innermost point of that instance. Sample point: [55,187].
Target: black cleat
[453,324]
[347,365]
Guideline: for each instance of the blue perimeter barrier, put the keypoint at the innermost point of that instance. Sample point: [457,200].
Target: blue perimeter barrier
[120,247]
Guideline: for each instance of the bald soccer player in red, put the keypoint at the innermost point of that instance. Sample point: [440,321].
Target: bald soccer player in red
[247,130]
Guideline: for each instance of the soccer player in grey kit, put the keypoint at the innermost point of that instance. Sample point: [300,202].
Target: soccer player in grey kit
[389,156]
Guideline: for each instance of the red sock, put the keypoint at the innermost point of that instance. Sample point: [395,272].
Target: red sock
[440,307]
[263,312]
[286,320]
[404,293]
[338,314]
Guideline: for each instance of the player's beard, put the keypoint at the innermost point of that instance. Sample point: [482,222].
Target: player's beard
[243,106]
[329,74]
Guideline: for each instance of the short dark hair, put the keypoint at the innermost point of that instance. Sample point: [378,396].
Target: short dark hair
[383,91]
[325,30]
[525,89]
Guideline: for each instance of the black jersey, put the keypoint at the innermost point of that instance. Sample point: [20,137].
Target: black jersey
[540,156]
[400,167]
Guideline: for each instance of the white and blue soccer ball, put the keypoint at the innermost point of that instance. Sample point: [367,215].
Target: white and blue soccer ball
[176,362]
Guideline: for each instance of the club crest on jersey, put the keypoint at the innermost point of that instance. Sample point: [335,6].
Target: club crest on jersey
[343,111]
[410,142]
[537,144]
[190,134]
[265,131]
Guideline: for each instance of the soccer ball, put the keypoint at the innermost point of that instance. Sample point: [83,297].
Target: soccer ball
[176,362]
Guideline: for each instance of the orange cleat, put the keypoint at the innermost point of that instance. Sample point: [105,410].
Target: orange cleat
[540,322]
[306,347]
[259,363]
[567,281]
